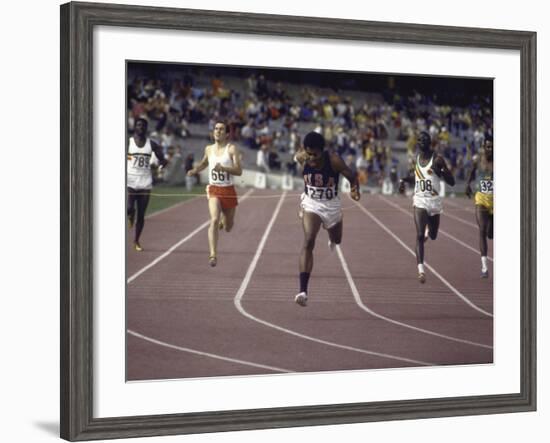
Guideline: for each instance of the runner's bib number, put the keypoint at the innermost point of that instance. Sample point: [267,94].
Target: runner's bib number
[141,161]
[424,185]
[219,175]
[320,193]
[486,186]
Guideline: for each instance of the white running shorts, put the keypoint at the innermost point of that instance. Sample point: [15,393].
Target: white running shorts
[330,211]
[433,205]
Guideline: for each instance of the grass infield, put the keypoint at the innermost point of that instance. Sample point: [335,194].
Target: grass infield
[163,196]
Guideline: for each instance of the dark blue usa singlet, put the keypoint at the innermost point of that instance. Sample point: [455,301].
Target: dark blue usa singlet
[321,184]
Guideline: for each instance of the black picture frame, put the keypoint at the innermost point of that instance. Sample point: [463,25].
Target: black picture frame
[77,23]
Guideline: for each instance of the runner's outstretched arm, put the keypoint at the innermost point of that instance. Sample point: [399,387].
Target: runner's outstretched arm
[202,165]
[340,166]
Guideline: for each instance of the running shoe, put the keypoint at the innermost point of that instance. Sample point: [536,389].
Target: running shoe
[422,277]
[331,245]
[138,247]
[301,299]
[212,260]
[485,274]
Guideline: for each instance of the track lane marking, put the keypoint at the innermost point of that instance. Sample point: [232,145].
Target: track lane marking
[168,345]
[442,231]
[461,220]
[240,293]
[197,197]
[360,303]
[206,354]
[445,282]
[169,208]
[457,206]
[177,245]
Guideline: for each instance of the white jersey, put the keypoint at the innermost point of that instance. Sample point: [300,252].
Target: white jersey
[427,183]
[138,168]
[219,178]
[427,188]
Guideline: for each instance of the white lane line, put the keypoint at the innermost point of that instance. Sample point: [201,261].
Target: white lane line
[442,231]
[177,245]
[168,252]
[460,242]
[458,206]
[365,308]
[205,354]
[461,220]
[445,282]
[246,281]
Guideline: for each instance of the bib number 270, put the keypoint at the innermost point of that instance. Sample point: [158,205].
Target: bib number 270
[321,193]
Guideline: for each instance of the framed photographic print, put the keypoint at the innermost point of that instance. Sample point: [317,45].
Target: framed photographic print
[272,221]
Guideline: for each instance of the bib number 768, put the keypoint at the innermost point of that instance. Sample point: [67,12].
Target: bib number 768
[141,161]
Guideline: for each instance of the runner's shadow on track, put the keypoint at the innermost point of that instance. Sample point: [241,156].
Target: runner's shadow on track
[51,428]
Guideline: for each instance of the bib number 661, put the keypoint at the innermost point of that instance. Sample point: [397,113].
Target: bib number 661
[218,175]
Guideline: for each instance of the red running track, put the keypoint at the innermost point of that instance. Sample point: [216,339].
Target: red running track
[366,309]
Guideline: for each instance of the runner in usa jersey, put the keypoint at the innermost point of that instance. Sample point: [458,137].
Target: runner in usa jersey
[321,184]
[320,203]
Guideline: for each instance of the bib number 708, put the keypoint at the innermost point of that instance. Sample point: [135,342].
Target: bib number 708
[424,185]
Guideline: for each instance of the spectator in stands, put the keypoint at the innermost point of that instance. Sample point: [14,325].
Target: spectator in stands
[190,180]
[167,139]
[293,141]
[251,83]
[351,163]
[217,84]
[394,178]
[291,167]
[248,134]
[273,160]
[262,161]
[262,90]
[279,143]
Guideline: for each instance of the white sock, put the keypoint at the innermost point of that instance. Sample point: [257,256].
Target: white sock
[484,263]
[421,268]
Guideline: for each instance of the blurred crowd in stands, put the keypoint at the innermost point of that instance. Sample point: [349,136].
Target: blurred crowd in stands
[263,116]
